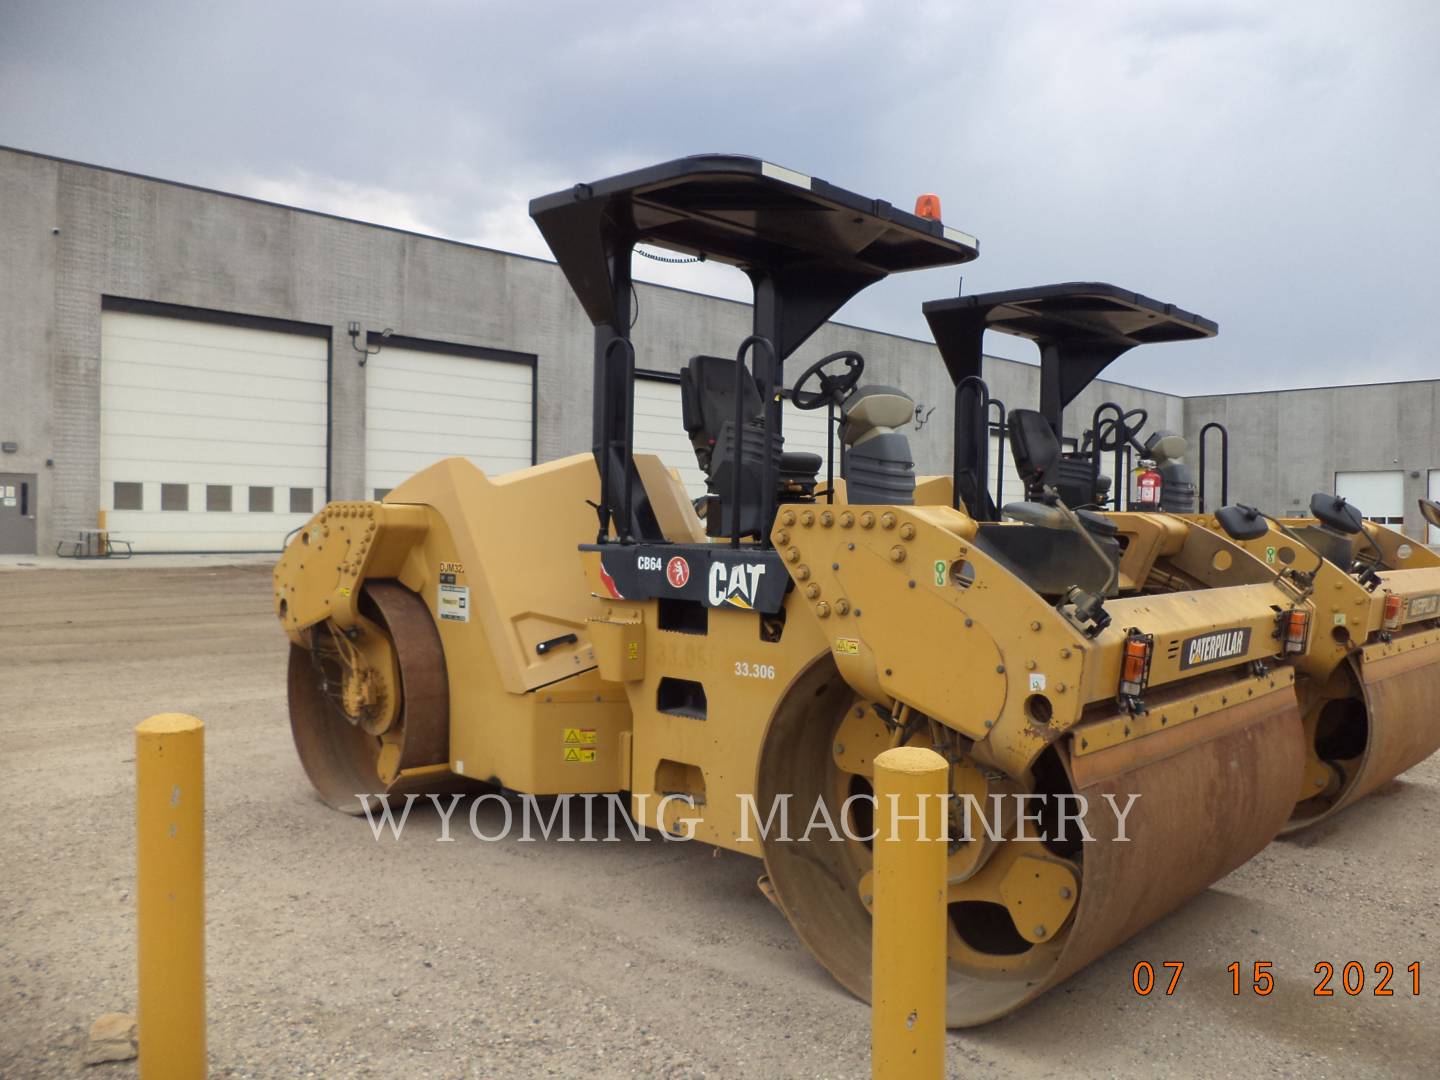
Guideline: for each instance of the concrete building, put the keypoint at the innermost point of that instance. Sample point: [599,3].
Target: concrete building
[208,369]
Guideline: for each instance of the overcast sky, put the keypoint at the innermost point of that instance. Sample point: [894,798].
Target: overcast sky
[1272,165]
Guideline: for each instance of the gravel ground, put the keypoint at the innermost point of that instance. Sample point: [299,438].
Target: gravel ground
[332,955]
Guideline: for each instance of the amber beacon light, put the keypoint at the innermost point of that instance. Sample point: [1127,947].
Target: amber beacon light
[928,207]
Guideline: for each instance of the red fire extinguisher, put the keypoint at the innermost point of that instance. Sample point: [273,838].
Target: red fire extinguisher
[1147,487]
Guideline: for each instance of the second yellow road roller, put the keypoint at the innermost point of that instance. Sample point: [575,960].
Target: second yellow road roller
[1370,675]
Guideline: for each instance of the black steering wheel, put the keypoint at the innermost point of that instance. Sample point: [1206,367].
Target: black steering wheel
[833,388]
[1110,434]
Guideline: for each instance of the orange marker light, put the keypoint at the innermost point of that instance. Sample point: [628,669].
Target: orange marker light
[1394,611]
[928,207]
[1135,665]
[1297,626]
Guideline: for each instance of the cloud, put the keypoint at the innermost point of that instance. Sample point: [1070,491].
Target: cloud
[1271,166]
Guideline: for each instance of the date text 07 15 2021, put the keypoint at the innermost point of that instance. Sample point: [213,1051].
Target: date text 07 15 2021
[1351,977]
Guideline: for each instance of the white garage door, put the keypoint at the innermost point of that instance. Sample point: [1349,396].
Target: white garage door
[422,406]
[212,437]
[1380,496]
[659,431]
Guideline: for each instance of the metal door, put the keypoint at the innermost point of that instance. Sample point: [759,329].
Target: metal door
[17,513]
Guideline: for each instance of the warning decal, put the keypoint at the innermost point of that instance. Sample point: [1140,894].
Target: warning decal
[453,602]
[579,745]
[848,645]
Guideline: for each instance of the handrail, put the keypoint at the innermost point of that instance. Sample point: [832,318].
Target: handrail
[1000,453]
[607,441]
[1121,482]
[736,471]
[830,433]
[979,438]
[1224,463]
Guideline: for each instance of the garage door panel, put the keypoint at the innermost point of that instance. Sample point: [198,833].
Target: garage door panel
[807,432]
[200,531]
[120,400]
[200,403]
[201,334]
[407,462]
[388,418]
[429,387]
[136,470]
[444,371]
[259,448]
[435,445]
[1013,488]
[442,403]
[133,426]
[1379,495]
[423,406]
[196,362]
[514,434]
[203,523]
[236,384]
[659,431]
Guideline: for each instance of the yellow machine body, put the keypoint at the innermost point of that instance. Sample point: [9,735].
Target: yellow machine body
[1369,682]
[494,562]
[898,629]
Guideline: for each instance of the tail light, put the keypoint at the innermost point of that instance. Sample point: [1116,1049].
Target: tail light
[1394,611]
[1295,627]
[1135,665]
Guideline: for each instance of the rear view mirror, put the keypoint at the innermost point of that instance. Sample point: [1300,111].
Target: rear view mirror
[1242,522]
[1336,513]
[1430,511]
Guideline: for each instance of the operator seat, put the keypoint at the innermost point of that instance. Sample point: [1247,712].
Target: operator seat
[707,408]
[1041,464]
[1052,558]
[879,468]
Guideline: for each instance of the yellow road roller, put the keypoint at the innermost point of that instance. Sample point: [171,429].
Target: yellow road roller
[577,627]
[1370,675]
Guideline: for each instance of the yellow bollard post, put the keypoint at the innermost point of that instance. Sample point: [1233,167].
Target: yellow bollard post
[908,943]
[170,895]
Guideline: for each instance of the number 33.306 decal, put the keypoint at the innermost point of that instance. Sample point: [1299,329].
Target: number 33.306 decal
[747,670]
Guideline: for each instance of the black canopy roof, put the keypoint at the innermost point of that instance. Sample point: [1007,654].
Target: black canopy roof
[1080,326]
[816,244]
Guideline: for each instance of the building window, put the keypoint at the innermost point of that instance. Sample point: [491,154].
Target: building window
[302,500]
[129,496]
[217,497]
[262,499]
[380,493]
[174,496]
